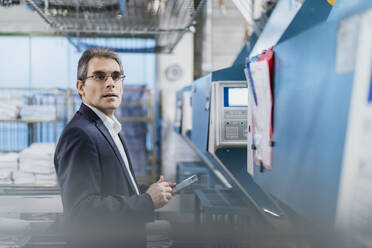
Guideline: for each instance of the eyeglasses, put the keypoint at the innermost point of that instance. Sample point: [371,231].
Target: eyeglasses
[102,77]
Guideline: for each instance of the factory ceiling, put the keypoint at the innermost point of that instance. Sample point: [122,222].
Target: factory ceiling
[164,21]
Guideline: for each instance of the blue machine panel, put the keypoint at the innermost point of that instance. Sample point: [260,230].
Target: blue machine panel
[201,95]
[311,13]
[344,8]
[234,73]
[311,106]
[235,160]
[370,91]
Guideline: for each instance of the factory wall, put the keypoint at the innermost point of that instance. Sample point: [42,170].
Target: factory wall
[47,62]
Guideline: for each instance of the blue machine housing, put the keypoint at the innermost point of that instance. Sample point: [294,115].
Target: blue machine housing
[311,105]
[311,109]
[345,8]
[311,13]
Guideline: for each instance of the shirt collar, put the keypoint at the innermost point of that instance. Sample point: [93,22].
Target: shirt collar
[113,125]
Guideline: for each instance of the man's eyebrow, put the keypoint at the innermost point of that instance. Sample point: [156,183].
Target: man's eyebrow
[95,72]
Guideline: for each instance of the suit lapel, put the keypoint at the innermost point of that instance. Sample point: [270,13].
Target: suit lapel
[128,157]
[101,127]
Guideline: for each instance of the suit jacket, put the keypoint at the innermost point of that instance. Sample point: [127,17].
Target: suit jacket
[99,199]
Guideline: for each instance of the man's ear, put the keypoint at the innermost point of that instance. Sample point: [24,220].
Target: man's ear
[80,87]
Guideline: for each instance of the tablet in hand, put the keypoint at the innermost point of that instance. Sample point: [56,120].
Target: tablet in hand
[185,183]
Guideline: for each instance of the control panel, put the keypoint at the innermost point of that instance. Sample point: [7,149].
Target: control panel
[234,125]
[228,115]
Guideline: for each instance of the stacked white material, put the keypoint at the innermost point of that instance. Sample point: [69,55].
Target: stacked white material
[38,112]
[46,179]
[37,160]
[8,164]
[5,177]
[9,110]
[21,177]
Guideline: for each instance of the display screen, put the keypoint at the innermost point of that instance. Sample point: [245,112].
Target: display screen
[236,96]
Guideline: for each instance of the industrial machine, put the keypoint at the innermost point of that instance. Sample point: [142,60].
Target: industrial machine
[230,200]
[312,119]
[303,195]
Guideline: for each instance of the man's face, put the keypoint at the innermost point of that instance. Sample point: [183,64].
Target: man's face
[105,96]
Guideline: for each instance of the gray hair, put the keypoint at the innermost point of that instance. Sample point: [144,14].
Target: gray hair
[95,53]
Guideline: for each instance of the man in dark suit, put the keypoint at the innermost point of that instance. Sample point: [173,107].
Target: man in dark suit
[103,205]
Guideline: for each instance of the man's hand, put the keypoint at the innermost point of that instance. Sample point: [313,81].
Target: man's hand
[160,192]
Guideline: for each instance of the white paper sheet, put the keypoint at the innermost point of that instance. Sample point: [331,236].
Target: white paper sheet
[354,215]
[347,39]
[186,112]
[260,104]
[250,162]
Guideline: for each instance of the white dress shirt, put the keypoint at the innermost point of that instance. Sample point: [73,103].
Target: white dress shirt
[114,127]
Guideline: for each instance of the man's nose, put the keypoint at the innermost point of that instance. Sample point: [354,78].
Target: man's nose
[110,82]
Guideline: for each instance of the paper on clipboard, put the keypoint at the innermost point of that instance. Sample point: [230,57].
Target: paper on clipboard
[260,110]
